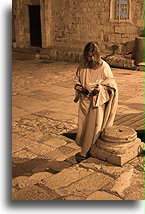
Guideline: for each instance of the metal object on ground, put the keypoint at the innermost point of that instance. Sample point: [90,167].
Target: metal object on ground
[117,145]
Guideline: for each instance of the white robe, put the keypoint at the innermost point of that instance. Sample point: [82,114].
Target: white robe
[97,112]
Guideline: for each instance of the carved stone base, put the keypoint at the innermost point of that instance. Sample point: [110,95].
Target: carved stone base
[117,152]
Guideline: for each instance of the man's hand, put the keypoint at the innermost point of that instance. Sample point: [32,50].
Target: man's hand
[97,87]
[81,89]
[93,93]
[78,87]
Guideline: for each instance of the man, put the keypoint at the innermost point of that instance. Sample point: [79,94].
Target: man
[97,93]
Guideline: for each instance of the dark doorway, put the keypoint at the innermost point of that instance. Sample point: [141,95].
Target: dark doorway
[35,25]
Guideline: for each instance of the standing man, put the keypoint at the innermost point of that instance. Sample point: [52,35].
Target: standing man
[97,93]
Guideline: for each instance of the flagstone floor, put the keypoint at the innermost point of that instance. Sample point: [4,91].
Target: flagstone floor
[43,113]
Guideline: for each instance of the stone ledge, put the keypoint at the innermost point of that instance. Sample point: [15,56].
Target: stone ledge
[62,54]
[75,55]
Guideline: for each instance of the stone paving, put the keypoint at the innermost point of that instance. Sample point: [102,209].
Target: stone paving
[43,146]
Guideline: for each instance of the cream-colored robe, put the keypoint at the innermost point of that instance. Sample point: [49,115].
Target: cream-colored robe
[97,112]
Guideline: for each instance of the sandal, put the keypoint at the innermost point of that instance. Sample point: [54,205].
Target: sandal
[80,158]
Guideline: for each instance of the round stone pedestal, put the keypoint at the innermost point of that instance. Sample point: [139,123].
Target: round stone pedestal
[117,145]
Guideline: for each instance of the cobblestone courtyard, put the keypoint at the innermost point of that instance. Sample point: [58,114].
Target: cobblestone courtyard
[43,113]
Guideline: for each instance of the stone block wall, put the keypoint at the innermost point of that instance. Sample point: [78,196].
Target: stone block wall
[73,23]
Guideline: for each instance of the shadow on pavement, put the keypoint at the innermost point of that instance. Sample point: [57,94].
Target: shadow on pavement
[37,165]
[70,135]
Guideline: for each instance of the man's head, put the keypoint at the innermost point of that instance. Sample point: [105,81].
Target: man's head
[92,55]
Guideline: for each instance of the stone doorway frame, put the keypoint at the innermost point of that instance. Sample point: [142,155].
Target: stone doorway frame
[22,30]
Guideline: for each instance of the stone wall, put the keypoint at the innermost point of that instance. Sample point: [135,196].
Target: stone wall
[73,23]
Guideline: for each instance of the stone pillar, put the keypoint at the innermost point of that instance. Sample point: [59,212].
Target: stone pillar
[117,145]
[22,36]
[45,7]
[18,27]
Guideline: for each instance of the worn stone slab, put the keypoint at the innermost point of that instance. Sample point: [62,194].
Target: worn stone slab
[34,193]
[101,195]
[45,113]
[59,105]
[61,116]
[129,185]
[30,104]
[55,142]
[65,177]
[119,186]
[73,145]
[66,156]
[73,198]
[24,181]
[62,90]
[122,182]
[59,154]
[43,95]
[136,188]
[138,162]
[37,177]
[20,182]
[86,185]
[136,193]
[105,167]
[72,110]
[18,112]
[19,143]
[40,149]
[22,156]
[52,155]
[115,158]
[57,166]
[66,150]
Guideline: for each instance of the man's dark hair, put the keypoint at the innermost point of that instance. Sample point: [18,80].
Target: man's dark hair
[94,49]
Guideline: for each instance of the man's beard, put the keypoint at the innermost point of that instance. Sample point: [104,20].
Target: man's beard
[93,64]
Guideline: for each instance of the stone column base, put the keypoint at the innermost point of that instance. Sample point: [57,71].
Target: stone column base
[117,159]
[117,145]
